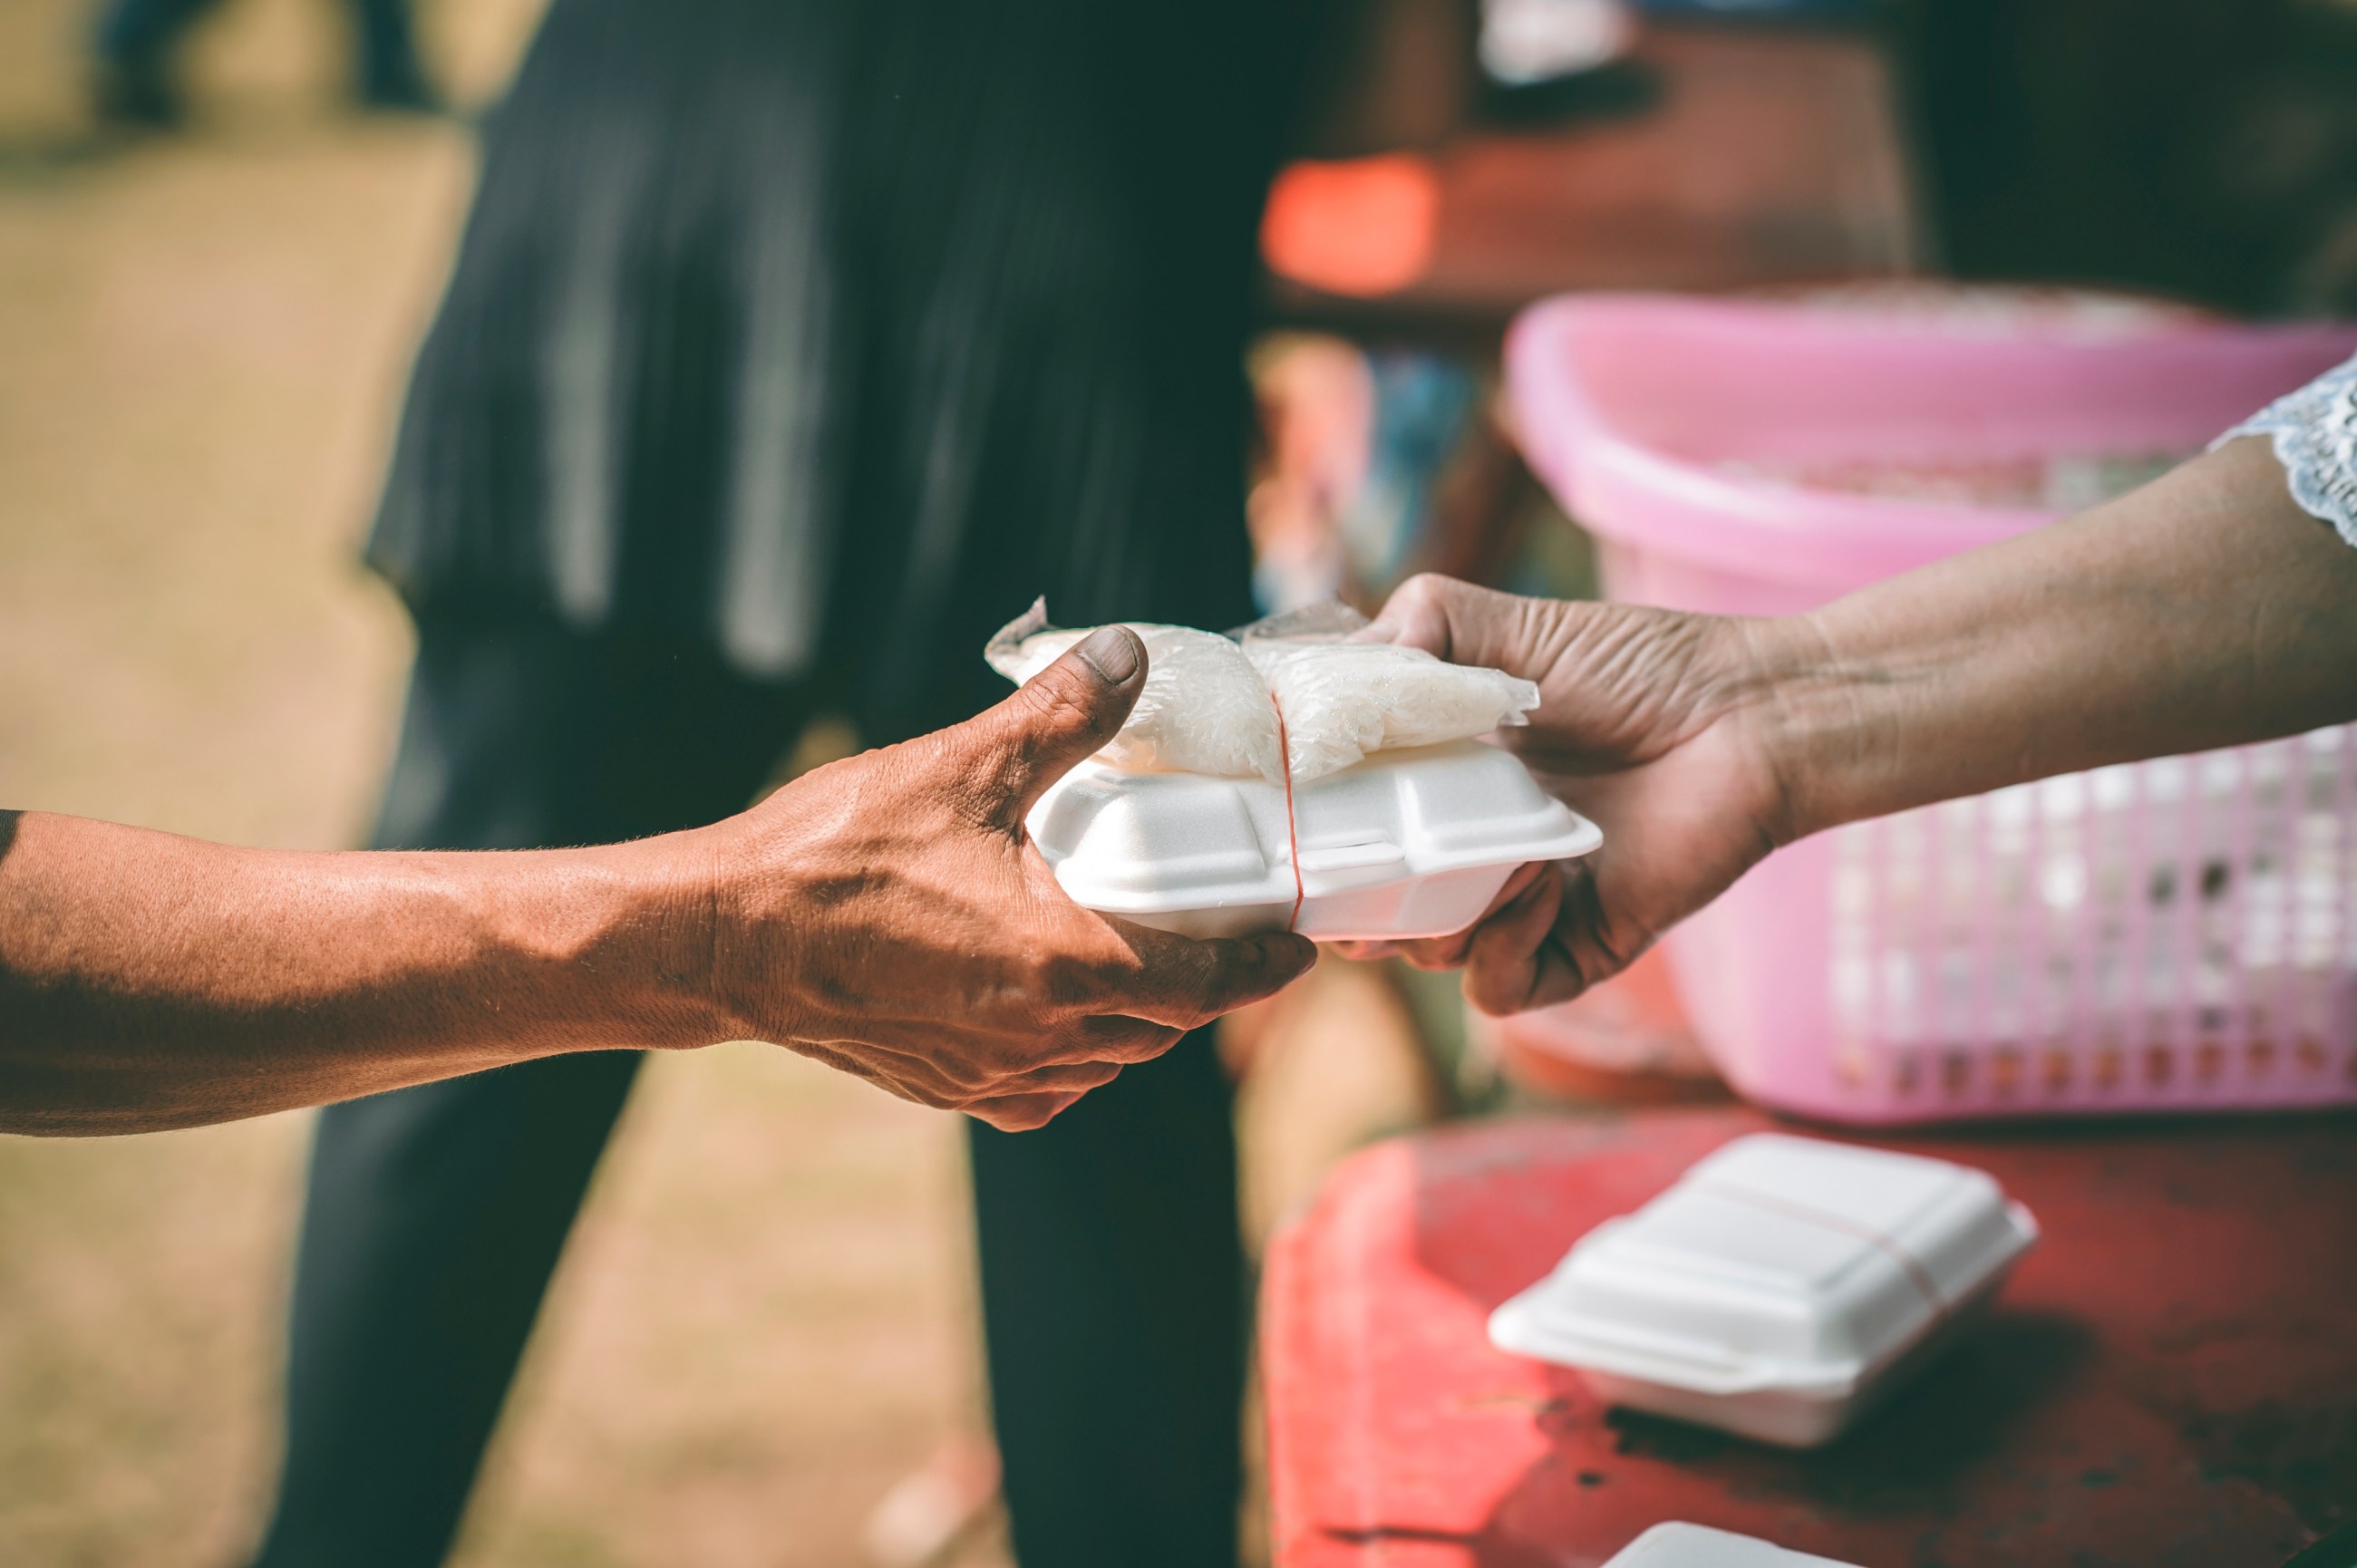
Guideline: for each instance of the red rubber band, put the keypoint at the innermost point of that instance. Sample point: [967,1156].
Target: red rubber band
[1292,832]
[1908,1264]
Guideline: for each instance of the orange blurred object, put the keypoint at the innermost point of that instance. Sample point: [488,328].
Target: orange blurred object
[1765,155]
[1359,227]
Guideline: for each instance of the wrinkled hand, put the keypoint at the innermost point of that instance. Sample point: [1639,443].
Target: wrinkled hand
[890,916]
[1650,723]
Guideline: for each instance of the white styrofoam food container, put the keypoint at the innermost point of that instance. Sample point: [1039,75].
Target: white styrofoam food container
[1779,1290]
[1676,1545]
[1406,844]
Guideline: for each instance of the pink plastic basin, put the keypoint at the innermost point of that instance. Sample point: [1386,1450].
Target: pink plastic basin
[2175,935]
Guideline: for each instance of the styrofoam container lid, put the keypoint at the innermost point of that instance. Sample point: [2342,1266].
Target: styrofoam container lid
[1775,1263]
[1210,855]
[1679,1545]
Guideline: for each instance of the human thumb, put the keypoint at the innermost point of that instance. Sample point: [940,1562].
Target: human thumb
[1416,616]
[1060,716]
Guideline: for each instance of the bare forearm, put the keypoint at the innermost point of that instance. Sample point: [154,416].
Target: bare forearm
[2203,610]
[148,981]
[887,914]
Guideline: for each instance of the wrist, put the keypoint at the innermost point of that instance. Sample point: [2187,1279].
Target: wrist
[656,932]
[1822,723]
[770,896]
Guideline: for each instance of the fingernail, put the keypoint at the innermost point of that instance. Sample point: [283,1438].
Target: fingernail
[1112,652]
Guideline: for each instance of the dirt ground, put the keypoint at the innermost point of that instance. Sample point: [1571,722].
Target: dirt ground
[766,1317]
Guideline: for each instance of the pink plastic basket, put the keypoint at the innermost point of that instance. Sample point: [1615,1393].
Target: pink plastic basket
[2176,935]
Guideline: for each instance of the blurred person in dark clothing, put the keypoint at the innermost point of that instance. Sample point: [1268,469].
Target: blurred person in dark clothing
[791,347]
[138,39]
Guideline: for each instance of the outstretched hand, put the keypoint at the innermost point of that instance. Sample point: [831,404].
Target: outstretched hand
[889,915]
[1650,723]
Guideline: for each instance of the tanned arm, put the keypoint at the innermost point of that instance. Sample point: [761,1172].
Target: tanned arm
[887,914]
[2204,609]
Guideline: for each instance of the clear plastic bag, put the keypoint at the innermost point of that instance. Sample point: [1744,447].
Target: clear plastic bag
[1204,709]
[1214,704]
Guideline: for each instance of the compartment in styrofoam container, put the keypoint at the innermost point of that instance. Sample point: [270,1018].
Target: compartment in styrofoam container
[1681,1545]
[1413,842]
[1779,1290]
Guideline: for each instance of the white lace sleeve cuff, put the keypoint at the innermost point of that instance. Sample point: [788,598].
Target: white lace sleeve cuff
[2315,435]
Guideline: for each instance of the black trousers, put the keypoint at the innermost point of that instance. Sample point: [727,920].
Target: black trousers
[1112,1276]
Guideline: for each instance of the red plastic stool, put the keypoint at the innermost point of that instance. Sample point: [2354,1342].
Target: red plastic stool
[2170,1378]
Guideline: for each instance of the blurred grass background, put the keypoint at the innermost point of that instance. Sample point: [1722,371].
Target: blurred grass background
[766,1317]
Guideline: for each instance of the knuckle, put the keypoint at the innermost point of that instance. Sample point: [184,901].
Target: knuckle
[1136,1040]
[1065,697]
[1197,1002]
[966,1079]
[1489,997]
[1017,996]
[1022,1113]
[984,1065]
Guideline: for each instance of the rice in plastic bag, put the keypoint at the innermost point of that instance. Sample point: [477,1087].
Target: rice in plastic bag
[1211,703]
[1204,708]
